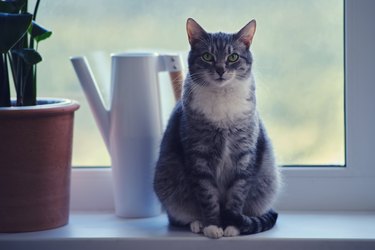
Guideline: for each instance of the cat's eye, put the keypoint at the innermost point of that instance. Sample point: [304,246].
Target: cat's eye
[233,57]
[207,57]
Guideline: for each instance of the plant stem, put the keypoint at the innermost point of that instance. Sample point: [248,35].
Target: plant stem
[19,82]
[34,18]
[4,82]
[12,69]
[36,9]
[28,91]
[34,71]
[29,82]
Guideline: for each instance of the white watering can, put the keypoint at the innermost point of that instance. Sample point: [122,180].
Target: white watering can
[132,128]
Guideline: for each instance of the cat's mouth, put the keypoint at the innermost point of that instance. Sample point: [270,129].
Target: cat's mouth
[220,79]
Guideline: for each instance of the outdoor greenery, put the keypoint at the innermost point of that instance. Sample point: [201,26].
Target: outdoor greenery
[298,51]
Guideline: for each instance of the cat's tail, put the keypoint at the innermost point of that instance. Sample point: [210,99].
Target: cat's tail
[257,224]
[254,224]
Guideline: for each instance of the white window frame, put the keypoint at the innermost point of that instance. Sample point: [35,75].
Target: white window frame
[305,188]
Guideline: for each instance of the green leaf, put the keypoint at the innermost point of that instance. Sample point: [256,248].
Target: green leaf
[12,6]
[12,27]
[39,33]
[29,56]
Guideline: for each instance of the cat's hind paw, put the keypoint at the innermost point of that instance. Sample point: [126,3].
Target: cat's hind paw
[213,232]
[196,227]
[231,231]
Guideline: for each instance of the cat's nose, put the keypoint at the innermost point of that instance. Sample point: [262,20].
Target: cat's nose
[220,71]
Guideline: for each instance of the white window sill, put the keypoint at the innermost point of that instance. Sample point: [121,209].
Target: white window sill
[294,230]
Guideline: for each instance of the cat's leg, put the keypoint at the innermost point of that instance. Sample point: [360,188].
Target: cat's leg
[255,185]
[202,177]
[196,227]
[231,231]
[213,232]
[232,211]
[207,196]
[237,194]
[249,198]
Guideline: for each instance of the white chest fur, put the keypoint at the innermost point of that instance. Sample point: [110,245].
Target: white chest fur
[222,104]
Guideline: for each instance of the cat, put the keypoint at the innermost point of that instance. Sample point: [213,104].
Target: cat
[216,170]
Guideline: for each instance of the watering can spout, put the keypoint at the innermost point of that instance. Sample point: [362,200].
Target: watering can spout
[93,95]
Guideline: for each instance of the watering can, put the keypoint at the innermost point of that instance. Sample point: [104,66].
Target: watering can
[132,127]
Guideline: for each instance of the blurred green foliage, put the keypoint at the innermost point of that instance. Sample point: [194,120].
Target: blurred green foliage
[298,50]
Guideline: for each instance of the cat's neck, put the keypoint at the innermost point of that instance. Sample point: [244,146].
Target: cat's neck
[222,105]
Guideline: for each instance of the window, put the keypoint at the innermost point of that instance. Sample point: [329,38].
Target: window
[298,50]
[347,188]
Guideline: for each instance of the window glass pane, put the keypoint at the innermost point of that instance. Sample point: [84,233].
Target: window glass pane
[298,51]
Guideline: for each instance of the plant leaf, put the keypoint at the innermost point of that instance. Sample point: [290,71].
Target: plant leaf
[38,33]
[12,27]
[12,6]
[29,56]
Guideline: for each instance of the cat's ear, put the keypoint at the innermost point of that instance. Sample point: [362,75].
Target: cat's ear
[246,34]
[195,31]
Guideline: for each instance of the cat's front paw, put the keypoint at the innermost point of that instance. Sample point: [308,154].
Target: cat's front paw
[231,231]
[213,232]
[196,226]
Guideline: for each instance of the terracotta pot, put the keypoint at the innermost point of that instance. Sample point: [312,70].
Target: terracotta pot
[35,165]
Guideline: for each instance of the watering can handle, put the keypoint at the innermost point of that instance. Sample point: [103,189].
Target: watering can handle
[173,64]
[177,79]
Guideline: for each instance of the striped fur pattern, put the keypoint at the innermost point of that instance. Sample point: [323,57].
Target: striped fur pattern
[216,170]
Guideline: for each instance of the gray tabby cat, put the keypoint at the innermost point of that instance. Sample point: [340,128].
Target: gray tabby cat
[216,171]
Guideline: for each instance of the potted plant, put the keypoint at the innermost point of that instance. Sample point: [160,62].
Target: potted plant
[35,134]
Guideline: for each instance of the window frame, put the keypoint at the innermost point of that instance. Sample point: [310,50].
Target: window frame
[305,187]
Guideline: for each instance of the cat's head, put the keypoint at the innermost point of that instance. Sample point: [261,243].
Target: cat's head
[216,59]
